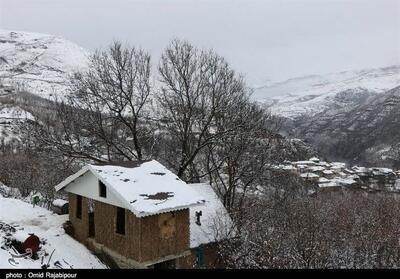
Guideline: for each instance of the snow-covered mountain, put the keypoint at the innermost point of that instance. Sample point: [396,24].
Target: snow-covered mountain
[313,94]
[39,63]
[367,134]
[349,116]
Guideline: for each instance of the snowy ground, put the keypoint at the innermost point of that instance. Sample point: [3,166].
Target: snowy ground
[25,219]
[15,113]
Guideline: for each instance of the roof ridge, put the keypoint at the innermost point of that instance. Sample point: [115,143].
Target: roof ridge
[125,164]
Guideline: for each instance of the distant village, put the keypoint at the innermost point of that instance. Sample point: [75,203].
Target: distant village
[328,176]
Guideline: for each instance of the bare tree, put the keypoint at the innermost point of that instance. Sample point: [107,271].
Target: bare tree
[342,229]
[239,160]
[196,86]
[30,172]
[105,117]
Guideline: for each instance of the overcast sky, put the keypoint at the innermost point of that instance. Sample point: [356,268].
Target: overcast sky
[263,39]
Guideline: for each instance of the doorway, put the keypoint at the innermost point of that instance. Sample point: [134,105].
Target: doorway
[171,264]
[91,225]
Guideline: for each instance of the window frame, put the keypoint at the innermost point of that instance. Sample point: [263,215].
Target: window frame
[102,190]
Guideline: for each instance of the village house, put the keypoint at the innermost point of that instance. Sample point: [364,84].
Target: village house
[328,174]
[338,166]
[60,206]
[309,176]
[141,215]
[317,170]
[336,176]
[315,160]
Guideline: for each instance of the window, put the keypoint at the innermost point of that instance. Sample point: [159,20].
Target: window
[120,220]
[79,207]
[102,190]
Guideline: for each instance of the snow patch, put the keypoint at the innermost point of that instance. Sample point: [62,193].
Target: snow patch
[24,219]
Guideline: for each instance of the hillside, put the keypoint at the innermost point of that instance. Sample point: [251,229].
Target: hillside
[18,219]
[38,63]
[311,95]
[369,133]
[348,116]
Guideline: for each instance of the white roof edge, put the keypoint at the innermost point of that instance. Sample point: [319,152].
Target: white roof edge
[129,206]
[70,178]
[86,168]
[118,195]
[169,209]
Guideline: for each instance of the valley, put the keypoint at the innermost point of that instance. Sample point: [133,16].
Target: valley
[353,118]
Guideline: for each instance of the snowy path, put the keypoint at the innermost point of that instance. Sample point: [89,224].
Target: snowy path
[48,226]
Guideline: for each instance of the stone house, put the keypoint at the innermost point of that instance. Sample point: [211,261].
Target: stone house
[141,215]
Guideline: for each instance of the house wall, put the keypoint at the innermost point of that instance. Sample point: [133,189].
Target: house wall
[164,234]
[81,226]
[146,239]
[60,210]
[87,185]
[105,225]
[210,258]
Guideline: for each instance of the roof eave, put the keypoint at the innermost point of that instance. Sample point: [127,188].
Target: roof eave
[166,210]
[138,214]
[70,179]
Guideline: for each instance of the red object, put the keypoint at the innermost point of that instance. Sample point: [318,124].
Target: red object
[31,244]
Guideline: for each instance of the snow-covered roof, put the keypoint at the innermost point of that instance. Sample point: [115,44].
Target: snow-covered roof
[348,171]
[316,168]
[339,181]
[59,202]
[309,175]
[382,171]
[304,163]
[314,159]
[345,181]
[215,221]
[145,188]
[338,165]
[360,169]
[323,180]
[278,167]
[288,167]
[324,164]
[329,184]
